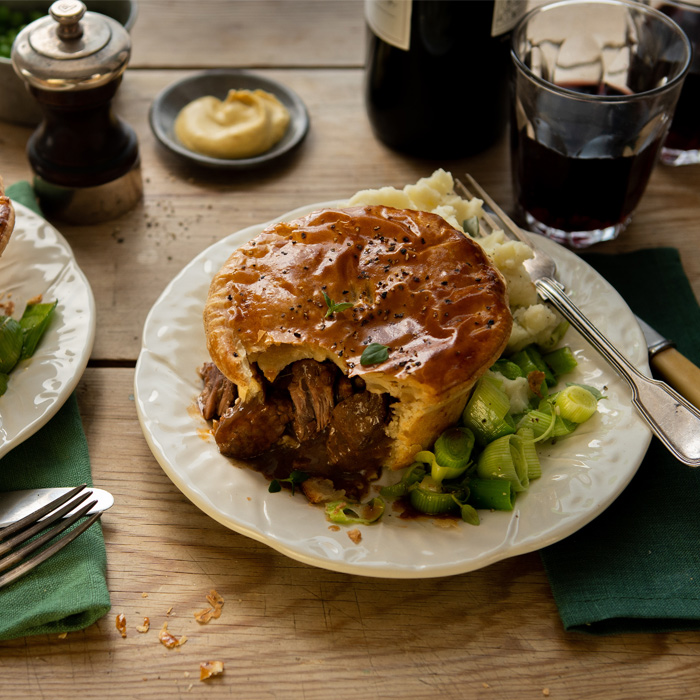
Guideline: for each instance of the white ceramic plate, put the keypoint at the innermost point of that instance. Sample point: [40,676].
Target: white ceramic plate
[581,475]
[38,260]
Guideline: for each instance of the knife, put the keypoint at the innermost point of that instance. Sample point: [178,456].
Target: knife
[15,505]
[675,369]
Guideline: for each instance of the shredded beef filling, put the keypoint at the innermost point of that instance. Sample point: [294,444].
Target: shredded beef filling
[249,429]
[312,417]
[311,390]
[218,394]
[356,429]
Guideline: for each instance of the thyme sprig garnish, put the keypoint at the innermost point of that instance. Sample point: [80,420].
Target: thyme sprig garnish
[335,307]
[294,479]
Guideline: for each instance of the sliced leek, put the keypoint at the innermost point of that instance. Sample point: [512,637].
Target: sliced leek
[529,452]
[427,497]
[349,513]
[576,404]
[561,361]
[454,447]
[503,459]
[411,475]
[491,494]
[546,423]
[596,392]
[529,359]
[540,422]
[508,369]
[437,471]
[487,411]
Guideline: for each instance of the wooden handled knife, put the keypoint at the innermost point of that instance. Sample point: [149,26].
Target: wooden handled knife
[673,367]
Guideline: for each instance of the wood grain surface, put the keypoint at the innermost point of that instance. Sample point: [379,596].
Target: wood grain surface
[289,630]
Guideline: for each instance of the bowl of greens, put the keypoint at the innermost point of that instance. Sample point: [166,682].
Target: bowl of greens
[17,104]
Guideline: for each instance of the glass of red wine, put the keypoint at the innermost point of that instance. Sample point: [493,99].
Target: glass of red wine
[595,84]
[682,145]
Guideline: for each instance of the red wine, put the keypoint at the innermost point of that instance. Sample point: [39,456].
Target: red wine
[684,132]
[576,192]
[446,93]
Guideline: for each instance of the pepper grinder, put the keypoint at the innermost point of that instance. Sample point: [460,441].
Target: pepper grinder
[85,159]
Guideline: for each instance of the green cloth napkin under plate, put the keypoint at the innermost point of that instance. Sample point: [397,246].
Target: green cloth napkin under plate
[636,567]
[68,592]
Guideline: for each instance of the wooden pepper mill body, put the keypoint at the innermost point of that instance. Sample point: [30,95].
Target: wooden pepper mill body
[84,157]
[81,142]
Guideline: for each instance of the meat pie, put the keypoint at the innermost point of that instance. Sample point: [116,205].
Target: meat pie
[291,315]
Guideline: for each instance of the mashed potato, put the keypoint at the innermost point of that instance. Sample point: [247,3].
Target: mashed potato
[533,322]
[434,194]
[517,390]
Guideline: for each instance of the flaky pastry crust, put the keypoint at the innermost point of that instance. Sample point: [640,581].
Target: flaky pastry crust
[417,285]
[7,218]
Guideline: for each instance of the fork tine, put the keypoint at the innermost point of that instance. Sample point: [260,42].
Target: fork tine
[38,526]
[31,545]
[39,513]
[26,566]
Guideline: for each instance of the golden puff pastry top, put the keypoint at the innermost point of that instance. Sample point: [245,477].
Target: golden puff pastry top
[416,285]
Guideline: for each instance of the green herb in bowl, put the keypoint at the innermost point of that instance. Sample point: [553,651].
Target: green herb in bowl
[12,21]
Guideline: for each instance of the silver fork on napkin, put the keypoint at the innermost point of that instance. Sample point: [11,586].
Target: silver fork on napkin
[675,421]
[18,541]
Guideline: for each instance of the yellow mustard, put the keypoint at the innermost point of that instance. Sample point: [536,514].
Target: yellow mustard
[245,124]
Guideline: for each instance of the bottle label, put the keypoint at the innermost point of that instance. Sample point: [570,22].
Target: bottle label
[390,20]
[506,14]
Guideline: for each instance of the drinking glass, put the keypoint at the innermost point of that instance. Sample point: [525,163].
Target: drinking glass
[595,83]
[682,145]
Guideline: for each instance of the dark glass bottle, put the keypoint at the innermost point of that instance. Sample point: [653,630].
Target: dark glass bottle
[446,94]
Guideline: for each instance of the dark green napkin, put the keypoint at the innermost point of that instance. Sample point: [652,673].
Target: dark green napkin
[68,592]
[636,567]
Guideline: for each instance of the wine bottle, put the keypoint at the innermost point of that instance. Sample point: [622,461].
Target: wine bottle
[436,82]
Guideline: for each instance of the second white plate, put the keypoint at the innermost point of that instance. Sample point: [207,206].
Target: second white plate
[39,261]
[582,475]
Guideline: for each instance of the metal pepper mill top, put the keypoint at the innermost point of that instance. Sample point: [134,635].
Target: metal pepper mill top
[85,158]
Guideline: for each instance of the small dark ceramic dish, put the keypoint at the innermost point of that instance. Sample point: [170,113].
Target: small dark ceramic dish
[217,83]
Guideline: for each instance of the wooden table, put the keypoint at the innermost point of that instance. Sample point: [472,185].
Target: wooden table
[289,630]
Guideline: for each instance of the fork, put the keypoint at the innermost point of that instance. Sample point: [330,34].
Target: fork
[675,421]
[16,541]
